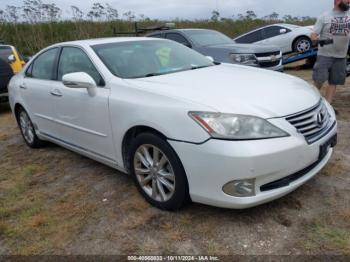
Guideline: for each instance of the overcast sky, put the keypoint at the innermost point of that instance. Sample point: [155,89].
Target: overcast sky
[189,9]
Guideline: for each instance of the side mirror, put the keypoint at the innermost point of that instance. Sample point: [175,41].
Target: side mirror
[80,80]
[11,58]
[283,31]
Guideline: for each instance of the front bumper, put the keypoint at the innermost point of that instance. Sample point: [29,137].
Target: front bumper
[211,165]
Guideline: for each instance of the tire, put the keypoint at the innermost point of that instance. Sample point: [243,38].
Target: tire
[27,129]
[158,173]
[302,44]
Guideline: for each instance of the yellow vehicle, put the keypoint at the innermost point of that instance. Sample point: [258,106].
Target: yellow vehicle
[9,54]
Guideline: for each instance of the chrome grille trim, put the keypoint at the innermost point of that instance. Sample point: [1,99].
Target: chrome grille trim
[312,123]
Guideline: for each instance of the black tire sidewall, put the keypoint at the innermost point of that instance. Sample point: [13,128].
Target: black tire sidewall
[37,143]
[181,194]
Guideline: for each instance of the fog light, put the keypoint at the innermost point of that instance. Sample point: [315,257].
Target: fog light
[240,188]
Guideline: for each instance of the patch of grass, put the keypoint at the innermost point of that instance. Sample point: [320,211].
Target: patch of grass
[329,237]
[6,230]
[30,170]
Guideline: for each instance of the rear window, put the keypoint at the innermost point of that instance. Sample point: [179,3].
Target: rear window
[5,52]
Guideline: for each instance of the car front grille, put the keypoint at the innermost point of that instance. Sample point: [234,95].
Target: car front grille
[267,54]
[269,64]
[269,59]
[312,123]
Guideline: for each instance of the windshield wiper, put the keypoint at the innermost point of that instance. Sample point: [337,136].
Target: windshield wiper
[198,67]
[154,74]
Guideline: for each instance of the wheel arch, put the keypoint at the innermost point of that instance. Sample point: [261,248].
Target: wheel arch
[16,109]
[132,133]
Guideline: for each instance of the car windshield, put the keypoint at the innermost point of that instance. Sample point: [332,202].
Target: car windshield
[137,59]
[208,37]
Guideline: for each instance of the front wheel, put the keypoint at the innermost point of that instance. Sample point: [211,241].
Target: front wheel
[27,129]
[158,172]
[302,44]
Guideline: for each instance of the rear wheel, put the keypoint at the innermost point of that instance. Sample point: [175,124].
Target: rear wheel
[158,172]
[302,44]
[27,129]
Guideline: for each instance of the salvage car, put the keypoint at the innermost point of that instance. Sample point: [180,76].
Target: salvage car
[222,49]
[183,127]
[289,38]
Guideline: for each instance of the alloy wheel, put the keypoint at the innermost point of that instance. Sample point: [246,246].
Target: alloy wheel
[154,173]
[26,127]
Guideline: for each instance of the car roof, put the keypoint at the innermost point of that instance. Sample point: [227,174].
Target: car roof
[287,25]
[6,45]
[178,30]
[106,40]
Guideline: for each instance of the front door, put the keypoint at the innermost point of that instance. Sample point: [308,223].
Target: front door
[83,119]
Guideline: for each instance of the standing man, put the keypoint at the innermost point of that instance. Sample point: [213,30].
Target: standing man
[331,59]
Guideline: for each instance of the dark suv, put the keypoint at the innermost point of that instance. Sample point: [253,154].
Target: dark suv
[5,75]
[223,49]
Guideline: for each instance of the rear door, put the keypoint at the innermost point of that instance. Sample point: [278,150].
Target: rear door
[83,119]
[36,91]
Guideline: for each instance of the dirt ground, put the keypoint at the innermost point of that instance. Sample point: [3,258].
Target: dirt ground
[53,201]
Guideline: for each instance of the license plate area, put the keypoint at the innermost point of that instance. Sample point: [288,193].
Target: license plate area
[324,148]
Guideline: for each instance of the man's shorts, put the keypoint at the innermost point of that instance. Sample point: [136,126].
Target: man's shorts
[330,69]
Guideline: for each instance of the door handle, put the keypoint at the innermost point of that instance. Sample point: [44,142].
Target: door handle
[22,86]
[56,92]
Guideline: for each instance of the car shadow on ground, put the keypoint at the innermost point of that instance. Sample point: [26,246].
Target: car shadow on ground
[4,108]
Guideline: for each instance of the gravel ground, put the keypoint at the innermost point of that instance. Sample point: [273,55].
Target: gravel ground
[53,201]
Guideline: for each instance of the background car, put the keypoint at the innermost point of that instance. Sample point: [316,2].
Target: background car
[222,49]
[8,55]
[289,38]
[5,75]
[11,55]
[182,126]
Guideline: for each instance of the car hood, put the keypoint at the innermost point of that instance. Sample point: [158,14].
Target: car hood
[235,89]
[246,48]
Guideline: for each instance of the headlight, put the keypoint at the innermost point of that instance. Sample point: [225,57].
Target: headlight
[246,59]
[236,127]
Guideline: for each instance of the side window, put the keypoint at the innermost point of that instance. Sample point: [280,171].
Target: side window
[29,70]
[271,31]
[178,38]
[44,65]
[74,60]
[251,37]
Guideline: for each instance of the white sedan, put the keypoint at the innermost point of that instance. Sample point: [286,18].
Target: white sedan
[289,38]
[185,128]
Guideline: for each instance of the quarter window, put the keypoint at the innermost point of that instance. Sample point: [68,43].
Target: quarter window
[74,60]
[43,66]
